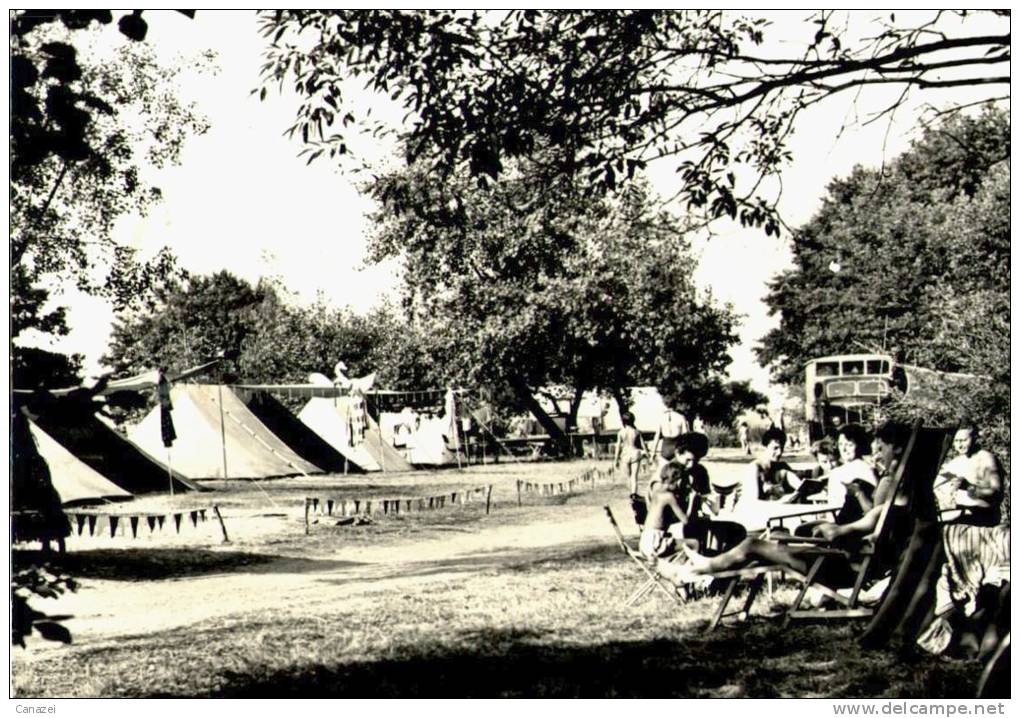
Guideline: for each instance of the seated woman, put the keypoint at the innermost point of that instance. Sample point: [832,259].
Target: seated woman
[854,478]
[850,534]
[972,593]
[851,484]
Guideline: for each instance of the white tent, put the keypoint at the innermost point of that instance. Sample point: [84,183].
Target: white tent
[349,429]
[74,481]
[208,437]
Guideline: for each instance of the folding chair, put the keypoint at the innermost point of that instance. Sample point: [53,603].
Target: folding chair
[819,550]
[653,579]
[917,464]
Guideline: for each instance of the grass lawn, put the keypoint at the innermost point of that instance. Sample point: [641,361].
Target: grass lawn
[550,622]
[555,627]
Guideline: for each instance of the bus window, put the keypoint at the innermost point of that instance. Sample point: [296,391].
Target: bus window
[877,366]
[853,367]
[827,368]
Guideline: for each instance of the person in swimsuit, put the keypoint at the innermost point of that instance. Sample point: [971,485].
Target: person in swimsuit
[630,450]
[672,426]
[667,508]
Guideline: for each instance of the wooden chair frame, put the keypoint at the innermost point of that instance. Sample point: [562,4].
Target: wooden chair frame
[820,550]
[849,606]
[653,579]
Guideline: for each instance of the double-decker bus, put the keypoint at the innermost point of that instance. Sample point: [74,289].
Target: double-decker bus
[849,388]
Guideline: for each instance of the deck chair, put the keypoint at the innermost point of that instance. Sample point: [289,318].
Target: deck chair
[653,579]
[925,450]
[817,551]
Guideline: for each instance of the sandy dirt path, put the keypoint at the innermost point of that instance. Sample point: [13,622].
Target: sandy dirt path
[105,610]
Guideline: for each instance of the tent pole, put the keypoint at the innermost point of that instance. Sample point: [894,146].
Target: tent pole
[223,430]
[170,470]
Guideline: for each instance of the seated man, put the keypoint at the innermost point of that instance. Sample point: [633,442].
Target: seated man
[968,488]
[769,478]
[890,441]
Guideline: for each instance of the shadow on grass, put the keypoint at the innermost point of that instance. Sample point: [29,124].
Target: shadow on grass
[147,564]
[800,662]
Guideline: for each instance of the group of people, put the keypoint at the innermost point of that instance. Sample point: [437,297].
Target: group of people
[689,534]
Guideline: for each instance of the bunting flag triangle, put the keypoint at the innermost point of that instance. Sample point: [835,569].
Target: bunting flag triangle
[201,513]
[80,520]
[368,507]
[134,526]
[329,507]
[357,506]
[421,504]
[408,506]
[151,520]
[92,525]
[343,507]
[386,506]
[396,506]
[193,515]
[315,505]
[114,520]
[161,520]
[177,522]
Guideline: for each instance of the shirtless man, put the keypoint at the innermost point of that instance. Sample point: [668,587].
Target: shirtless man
[969,486]
[672,426]
[665,509]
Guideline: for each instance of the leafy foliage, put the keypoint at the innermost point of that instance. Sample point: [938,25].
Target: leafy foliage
[922,249]
[262,337]
[528,281]
[609,91]
[41,582]
[77,158]
[924,252]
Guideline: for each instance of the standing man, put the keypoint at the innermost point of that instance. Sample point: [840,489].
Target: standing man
[672,426]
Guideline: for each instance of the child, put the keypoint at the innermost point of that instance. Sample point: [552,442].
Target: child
[665,510]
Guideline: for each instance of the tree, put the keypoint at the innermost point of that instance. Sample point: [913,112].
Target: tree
[78,163]
[922,252]
[720,402]
[261,336]
[72,174]
[527,282]
[609,91]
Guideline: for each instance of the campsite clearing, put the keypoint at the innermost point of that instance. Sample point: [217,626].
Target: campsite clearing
[523,601]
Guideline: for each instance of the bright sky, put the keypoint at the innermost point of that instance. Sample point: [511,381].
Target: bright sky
[241,199]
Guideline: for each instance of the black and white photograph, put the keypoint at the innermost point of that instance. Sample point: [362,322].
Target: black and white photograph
[510,354]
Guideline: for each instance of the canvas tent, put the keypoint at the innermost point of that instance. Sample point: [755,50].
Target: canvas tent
[215,427]
[344,424]
[295,434]
[75,426]
[74,481]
